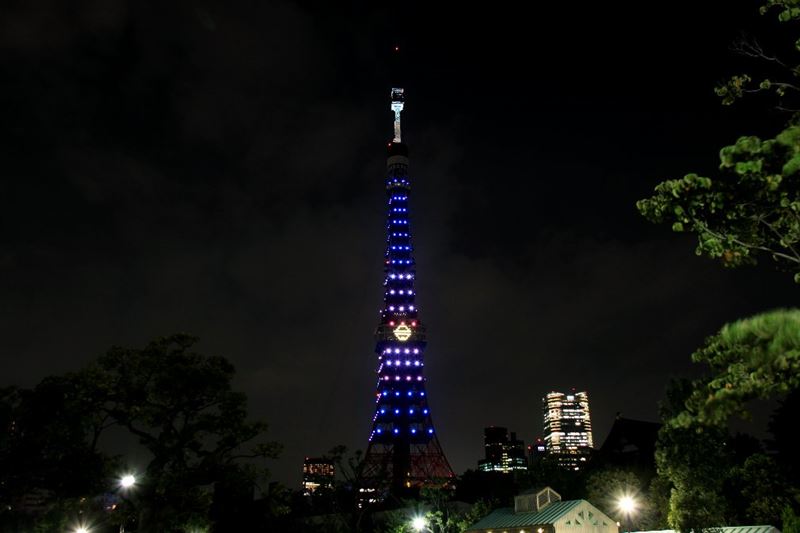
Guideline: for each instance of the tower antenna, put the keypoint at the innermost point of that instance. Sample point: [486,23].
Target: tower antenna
[397,107]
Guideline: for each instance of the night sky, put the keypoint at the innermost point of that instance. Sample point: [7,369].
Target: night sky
[217,168]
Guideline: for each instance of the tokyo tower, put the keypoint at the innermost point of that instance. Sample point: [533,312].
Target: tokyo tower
[403,452]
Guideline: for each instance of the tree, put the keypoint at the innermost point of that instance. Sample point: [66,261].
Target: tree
[691,462]
[48,456]
[752,207]
[345,499]
[783,426]
[180,406]
[759,490]
[791,522]
[604,488]
[694,461]
[758,357]
[776,76]
[439,514]
[713,478]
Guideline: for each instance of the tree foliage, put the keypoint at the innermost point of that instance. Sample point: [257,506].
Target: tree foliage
[775,75]
[754,358]
[176,403]
[693,463]
[439,512]
[48,455]
[180,406]
[605,487]
[759,490]
[748,210]
[713,478]
[783,444]
[751,209]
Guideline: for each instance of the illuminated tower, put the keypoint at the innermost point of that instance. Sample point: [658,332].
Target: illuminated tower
[403,451]
[568,428]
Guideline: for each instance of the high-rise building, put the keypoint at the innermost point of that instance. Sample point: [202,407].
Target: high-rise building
[536,451]
[503,453]
[318,472]
[403,450]
[568,428]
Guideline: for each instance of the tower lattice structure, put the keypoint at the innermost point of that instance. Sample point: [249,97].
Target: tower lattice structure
[404,450]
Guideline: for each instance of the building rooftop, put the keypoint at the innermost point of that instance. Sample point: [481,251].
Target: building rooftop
[631,435]
[734,529]
[506,517]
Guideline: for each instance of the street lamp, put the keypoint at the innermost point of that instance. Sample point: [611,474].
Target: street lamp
[419,523]
[628,505]
[81,529]
[126,482]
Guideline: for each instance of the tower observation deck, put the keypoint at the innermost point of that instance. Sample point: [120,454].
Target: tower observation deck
[403,451]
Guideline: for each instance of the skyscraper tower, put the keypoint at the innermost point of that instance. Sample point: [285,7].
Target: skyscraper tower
[504,453]
[403,451]
[568,428]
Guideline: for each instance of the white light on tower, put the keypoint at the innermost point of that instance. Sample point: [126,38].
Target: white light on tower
[397,107]
[127,481]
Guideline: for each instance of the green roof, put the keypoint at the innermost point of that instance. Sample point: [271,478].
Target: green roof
[735,529]
[506,517]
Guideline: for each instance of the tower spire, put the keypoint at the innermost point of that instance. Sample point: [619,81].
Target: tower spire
[397,107]
[403,451]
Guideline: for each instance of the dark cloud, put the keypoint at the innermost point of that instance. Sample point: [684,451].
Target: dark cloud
[217,168]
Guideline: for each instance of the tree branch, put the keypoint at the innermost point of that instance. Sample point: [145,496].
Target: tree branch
[780,237]
[752,48]
[703,227]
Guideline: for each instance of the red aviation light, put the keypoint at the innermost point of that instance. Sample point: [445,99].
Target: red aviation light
[414,323]
[391,322]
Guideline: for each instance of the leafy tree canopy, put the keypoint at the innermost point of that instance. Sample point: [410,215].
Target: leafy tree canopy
[180,405]
[754,358]
[751,207]
[177,403]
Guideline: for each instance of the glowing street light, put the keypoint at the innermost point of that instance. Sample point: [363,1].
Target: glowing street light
[127,481]
[628,505]
[82,529]
[419,523]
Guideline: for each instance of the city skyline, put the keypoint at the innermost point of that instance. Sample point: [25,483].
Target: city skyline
[220,171]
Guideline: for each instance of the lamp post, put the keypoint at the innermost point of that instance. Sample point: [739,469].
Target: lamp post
[418,523]
[628,505]
[126,482]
